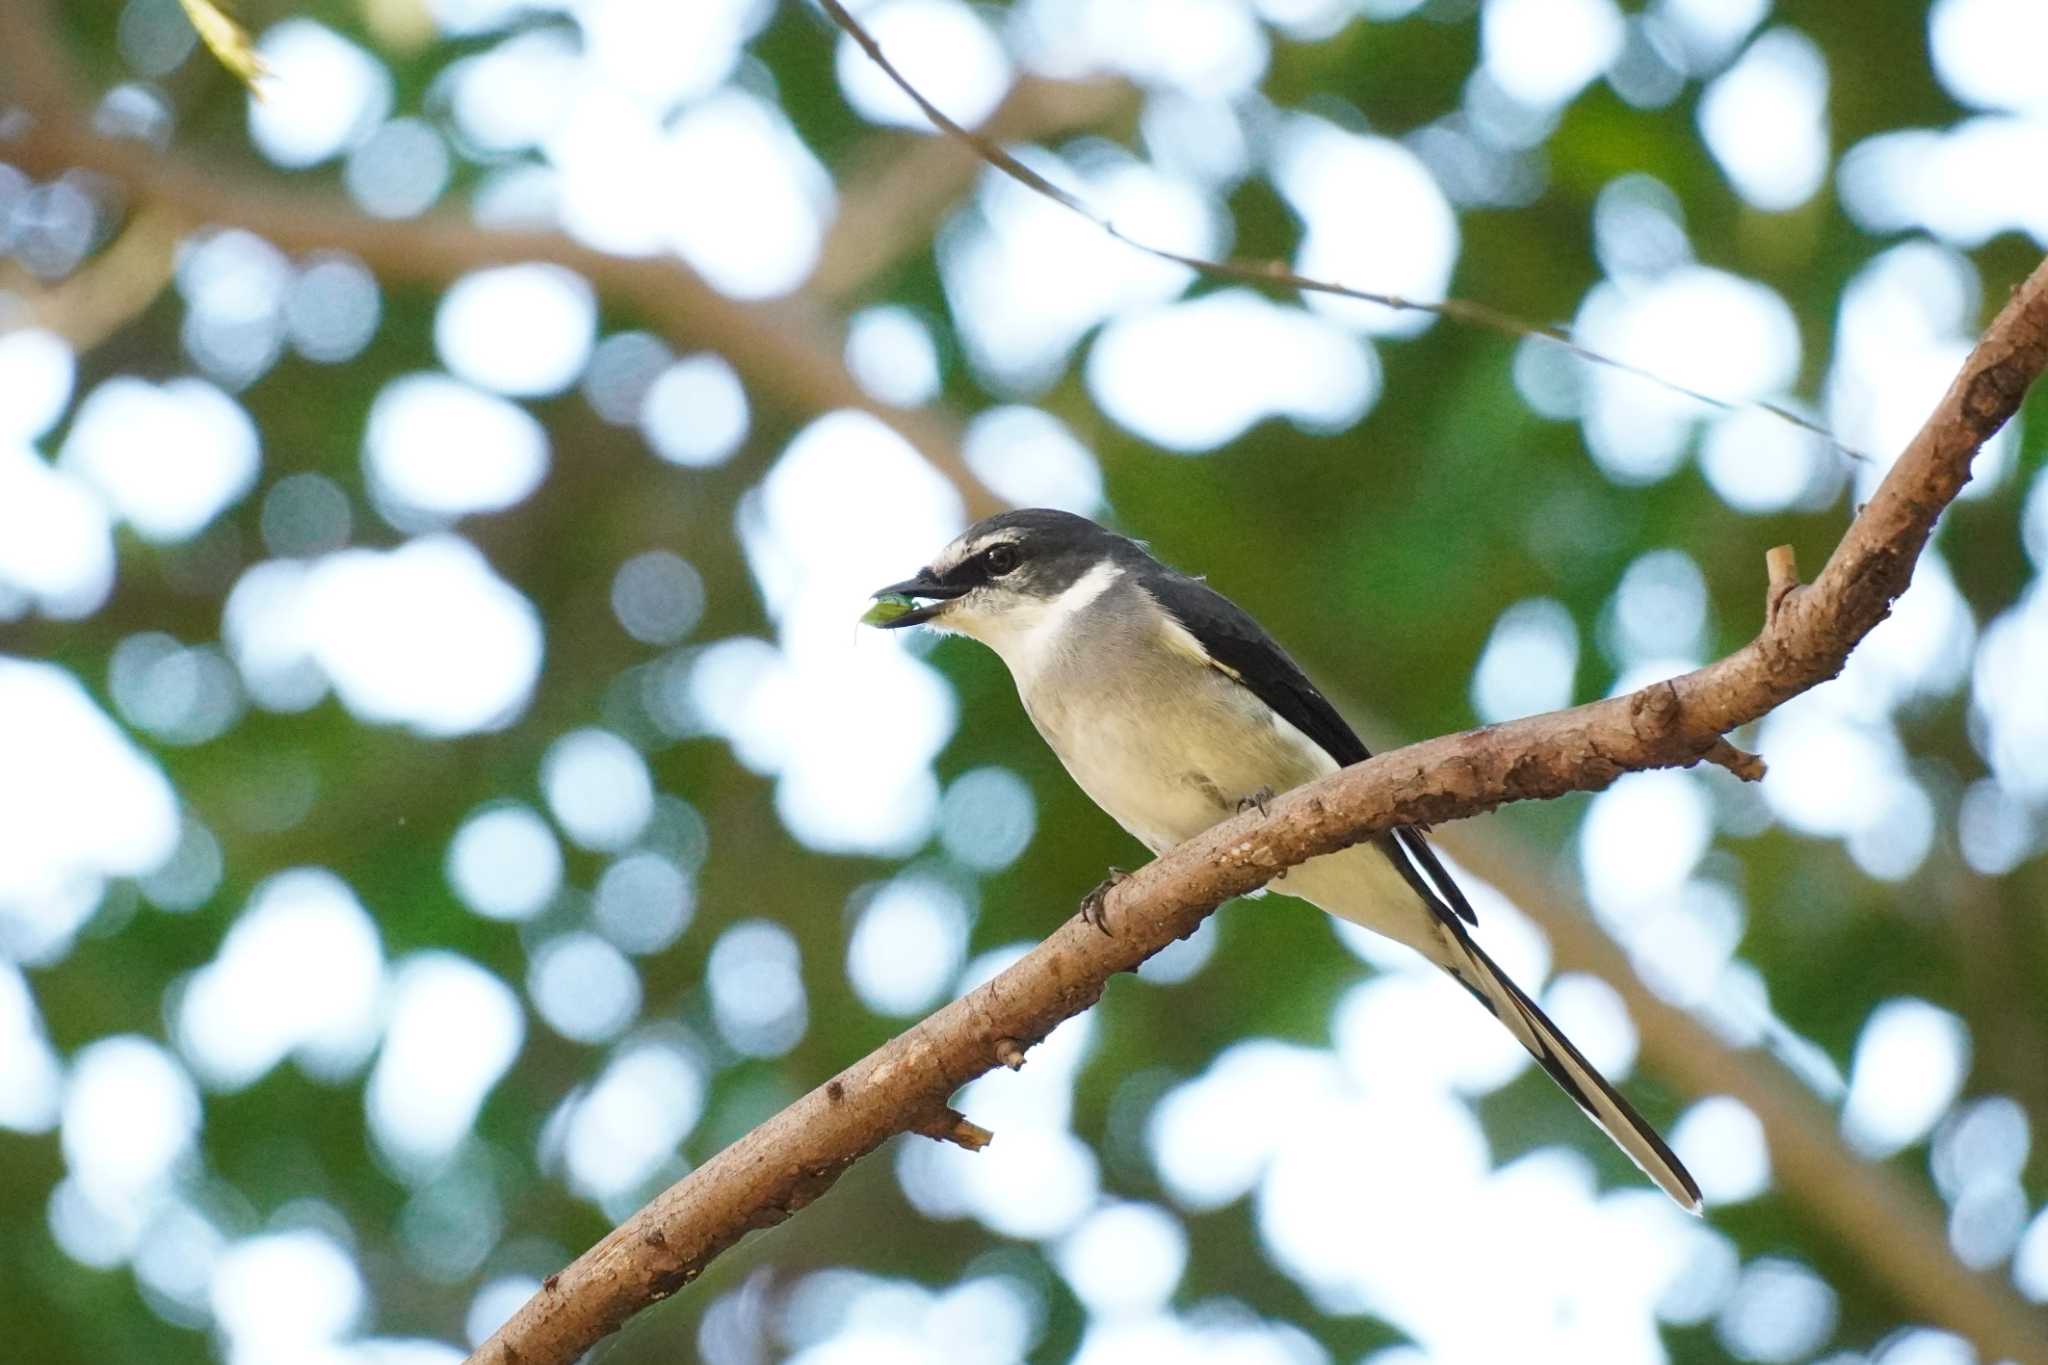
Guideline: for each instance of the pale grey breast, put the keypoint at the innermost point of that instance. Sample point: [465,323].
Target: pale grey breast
[1164,744]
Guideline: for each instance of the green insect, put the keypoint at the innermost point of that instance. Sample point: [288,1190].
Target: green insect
[887,608]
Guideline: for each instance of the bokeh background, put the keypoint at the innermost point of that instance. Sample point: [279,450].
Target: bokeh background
[444,795]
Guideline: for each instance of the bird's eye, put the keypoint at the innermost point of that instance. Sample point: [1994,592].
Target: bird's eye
[1001,559]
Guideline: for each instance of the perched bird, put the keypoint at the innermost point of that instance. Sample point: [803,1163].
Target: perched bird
[1174,710]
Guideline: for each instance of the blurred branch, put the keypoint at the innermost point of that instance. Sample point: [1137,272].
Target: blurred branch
[904,1086]
[775,343]
[892,200]
[780,345]
[1273,273]
[1873,1209]
[1990,920]
[107,292]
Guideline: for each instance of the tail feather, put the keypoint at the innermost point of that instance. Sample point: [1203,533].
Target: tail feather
[1576,1076]
[1369,887]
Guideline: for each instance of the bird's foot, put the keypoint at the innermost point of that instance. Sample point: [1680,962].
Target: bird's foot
[1095,905]
[1256,801]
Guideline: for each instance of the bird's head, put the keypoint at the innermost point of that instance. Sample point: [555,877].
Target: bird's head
[1007,572]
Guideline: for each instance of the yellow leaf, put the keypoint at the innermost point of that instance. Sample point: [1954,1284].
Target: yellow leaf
[228,41]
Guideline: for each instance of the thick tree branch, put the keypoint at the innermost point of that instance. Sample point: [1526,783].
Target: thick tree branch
[904,1086]
[769,340]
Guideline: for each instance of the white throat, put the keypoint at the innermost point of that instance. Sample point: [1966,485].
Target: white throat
[1027,634]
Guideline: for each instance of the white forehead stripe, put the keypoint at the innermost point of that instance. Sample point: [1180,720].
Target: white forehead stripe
[960,551]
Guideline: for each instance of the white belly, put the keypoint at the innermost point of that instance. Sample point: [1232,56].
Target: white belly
[1168,768]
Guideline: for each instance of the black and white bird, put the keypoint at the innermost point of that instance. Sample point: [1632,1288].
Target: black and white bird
[1173,710]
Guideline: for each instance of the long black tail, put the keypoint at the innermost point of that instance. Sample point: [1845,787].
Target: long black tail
[1603,1104]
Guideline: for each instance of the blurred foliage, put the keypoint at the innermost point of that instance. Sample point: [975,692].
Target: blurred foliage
[1383,555]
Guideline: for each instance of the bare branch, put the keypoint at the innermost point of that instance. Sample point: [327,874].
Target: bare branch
[1269,274]
[795,1156]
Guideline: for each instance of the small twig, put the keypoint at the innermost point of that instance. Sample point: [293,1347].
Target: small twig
[1781,562]
[950,1125]
[1744,764]
[1267,273]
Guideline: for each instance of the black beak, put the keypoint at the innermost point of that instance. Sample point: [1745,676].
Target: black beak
[921,586]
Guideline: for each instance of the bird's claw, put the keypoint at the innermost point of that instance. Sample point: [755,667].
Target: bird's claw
[1256,801]
[1095,905]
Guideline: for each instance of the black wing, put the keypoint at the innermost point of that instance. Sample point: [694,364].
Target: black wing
[1244,650]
